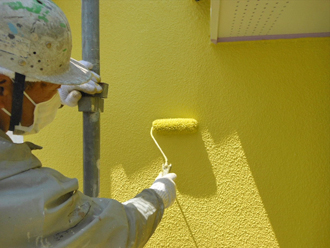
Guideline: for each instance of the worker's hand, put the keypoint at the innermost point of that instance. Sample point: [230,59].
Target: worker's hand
[71,94]
[165,188]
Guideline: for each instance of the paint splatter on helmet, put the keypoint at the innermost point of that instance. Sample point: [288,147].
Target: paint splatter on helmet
[35,41]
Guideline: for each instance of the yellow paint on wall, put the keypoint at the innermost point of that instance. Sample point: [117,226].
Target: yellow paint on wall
[256,174]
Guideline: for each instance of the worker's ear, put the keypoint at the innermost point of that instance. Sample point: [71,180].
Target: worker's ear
[5,88]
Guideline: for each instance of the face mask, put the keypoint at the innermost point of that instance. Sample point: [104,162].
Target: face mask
[44,113]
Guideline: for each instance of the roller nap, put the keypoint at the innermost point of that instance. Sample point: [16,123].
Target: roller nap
[175,126]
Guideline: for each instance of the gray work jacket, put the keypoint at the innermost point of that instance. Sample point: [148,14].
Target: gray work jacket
[39,207]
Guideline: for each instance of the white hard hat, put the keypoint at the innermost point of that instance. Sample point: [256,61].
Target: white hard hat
[35,40]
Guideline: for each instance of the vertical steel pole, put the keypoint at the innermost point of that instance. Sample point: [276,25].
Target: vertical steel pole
[91,116]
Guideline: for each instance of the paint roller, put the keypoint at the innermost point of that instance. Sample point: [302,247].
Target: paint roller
[169,127]
[172,126]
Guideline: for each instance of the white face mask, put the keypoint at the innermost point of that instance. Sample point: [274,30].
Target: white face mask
[44,113]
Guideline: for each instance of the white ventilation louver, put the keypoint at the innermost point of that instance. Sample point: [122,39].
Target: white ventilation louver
[242,20]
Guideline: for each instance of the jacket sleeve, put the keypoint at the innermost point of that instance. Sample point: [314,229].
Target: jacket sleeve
[46,210]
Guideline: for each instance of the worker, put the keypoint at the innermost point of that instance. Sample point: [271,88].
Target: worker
[39,207]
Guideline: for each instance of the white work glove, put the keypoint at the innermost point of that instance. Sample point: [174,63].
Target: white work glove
[71,94]
[165,188]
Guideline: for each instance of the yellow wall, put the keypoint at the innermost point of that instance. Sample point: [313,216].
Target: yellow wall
[257,172]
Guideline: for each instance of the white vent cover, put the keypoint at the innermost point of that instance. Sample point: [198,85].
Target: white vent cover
[241,20]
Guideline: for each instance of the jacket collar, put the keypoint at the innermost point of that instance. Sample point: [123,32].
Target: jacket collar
[16,158]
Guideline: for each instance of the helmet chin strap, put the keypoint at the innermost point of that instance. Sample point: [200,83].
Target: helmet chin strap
[17,102]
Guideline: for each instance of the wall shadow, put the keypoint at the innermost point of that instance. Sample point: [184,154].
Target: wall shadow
[278,102]
[190,162]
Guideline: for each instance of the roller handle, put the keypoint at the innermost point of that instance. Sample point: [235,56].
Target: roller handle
[166,169]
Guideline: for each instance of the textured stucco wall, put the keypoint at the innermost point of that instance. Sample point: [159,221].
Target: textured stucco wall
[257,172]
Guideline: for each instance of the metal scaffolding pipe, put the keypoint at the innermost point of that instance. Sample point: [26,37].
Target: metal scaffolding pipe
[91,111]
